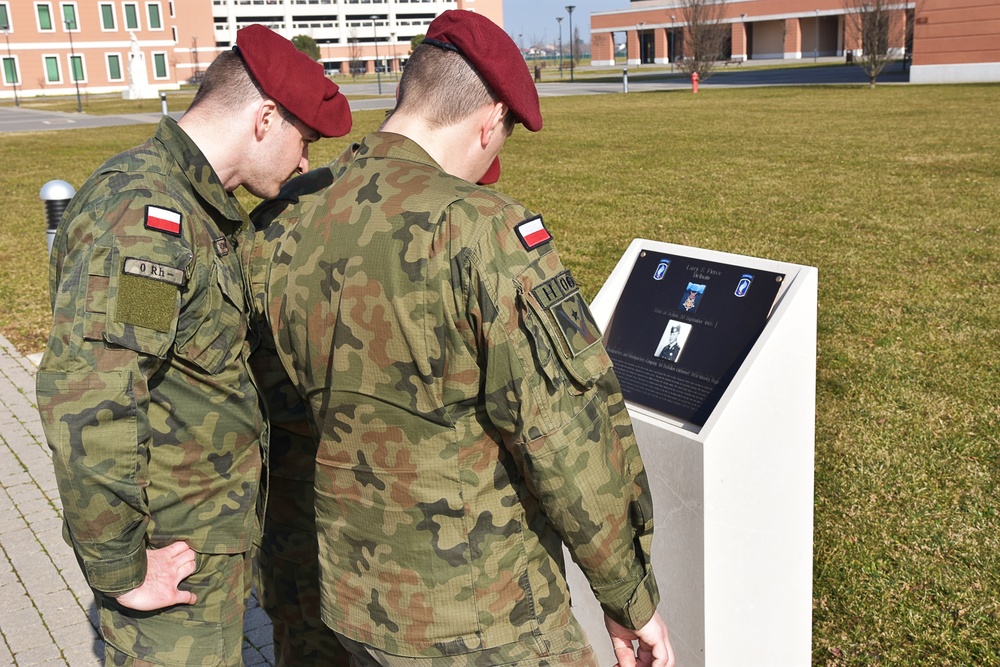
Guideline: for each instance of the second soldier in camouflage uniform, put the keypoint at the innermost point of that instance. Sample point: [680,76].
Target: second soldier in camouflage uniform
[144,390]
[469,420]
[287,561]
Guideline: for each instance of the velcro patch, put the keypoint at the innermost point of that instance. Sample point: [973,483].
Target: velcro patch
[146,303]
[532,233]
[163,220]
[161,272]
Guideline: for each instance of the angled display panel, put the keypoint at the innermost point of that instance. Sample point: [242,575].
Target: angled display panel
[683,326]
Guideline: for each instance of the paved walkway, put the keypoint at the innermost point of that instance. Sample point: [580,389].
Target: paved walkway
[47,612]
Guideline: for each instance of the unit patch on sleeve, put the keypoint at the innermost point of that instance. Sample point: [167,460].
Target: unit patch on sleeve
[561,299]
[532,233]
[163,220]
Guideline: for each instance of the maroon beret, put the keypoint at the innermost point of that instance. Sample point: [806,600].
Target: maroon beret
[294,80]
[494,56]
[492,174]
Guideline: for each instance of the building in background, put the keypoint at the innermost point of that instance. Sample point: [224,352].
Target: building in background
[945,40]
[956,41]
[52,47]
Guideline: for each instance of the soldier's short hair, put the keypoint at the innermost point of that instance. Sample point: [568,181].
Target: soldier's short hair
[227,84]
[442,87]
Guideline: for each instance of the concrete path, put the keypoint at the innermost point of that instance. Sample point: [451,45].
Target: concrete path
[47,612]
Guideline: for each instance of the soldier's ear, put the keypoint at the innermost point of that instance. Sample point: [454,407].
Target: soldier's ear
[266,117]
[492,122]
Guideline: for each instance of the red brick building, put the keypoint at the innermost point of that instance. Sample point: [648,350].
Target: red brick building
[956,41]
[948,40]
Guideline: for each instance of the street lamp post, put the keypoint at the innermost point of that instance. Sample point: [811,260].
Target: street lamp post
[572,44]
[816,35]
[13,65]
[673,41]
[197,66]
[392,58]
[72,65]
[378,74]
[559,21]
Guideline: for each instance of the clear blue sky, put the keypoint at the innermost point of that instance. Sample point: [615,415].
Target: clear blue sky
[535,20]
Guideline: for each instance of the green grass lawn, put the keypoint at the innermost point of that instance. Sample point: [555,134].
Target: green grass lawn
[893,193]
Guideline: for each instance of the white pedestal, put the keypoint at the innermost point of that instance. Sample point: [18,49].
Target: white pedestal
[733,502]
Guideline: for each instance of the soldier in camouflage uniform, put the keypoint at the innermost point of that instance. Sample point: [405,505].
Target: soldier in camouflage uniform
[144,390]
[470,423]
[287,561]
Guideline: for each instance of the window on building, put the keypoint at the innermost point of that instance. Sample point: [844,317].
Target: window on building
[52,72]
[114,67]
[131,16]
[77,71]
[4,17]
[69,17]
[153,12]
[160,66]
[10,77]
[108,16]
[44,13]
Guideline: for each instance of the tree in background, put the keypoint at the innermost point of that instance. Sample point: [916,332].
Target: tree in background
[705,40]
[354,49]
[306,45]
[415,41]
[881,26]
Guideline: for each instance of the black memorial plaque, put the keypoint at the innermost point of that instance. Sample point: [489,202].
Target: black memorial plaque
[682,328]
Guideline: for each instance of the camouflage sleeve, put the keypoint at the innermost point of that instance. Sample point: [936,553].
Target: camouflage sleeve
[113,324]
[553,394]
[292,449]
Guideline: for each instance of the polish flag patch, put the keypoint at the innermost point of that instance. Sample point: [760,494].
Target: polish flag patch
[163,220]
[532,233]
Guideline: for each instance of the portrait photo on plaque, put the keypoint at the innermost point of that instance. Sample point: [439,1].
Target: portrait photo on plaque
[672,342]
[681,329]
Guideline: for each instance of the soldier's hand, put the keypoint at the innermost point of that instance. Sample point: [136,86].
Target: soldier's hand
[655,649]
[165,569]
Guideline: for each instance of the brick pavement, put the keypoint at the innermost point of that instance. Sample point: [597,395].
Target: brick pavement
[47,612]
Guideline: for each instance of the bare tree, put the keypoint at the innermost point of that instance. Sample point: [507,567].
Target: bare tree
[354,49]
[881,27]
[705,39]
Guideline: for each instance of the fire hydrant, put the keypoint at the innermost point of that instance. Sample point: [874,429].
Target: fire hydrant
[694,82]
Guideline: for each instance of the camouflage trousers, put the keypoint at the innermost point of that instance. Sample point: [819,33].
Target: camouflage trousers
[207,633]
[287,579]
[565,647]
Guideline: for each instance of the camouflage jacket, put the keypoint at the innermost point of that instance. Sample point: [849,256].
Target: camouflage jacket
[144,390]
[468,415]
[289,517]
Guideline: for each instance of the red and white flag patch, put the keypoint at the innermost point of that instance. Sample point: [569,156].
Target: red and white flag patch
[532,233]
[163,219]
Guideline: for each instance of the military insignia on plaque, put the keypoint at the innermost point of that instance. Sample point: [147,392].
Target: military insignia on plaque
[661,269]
[743,285]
